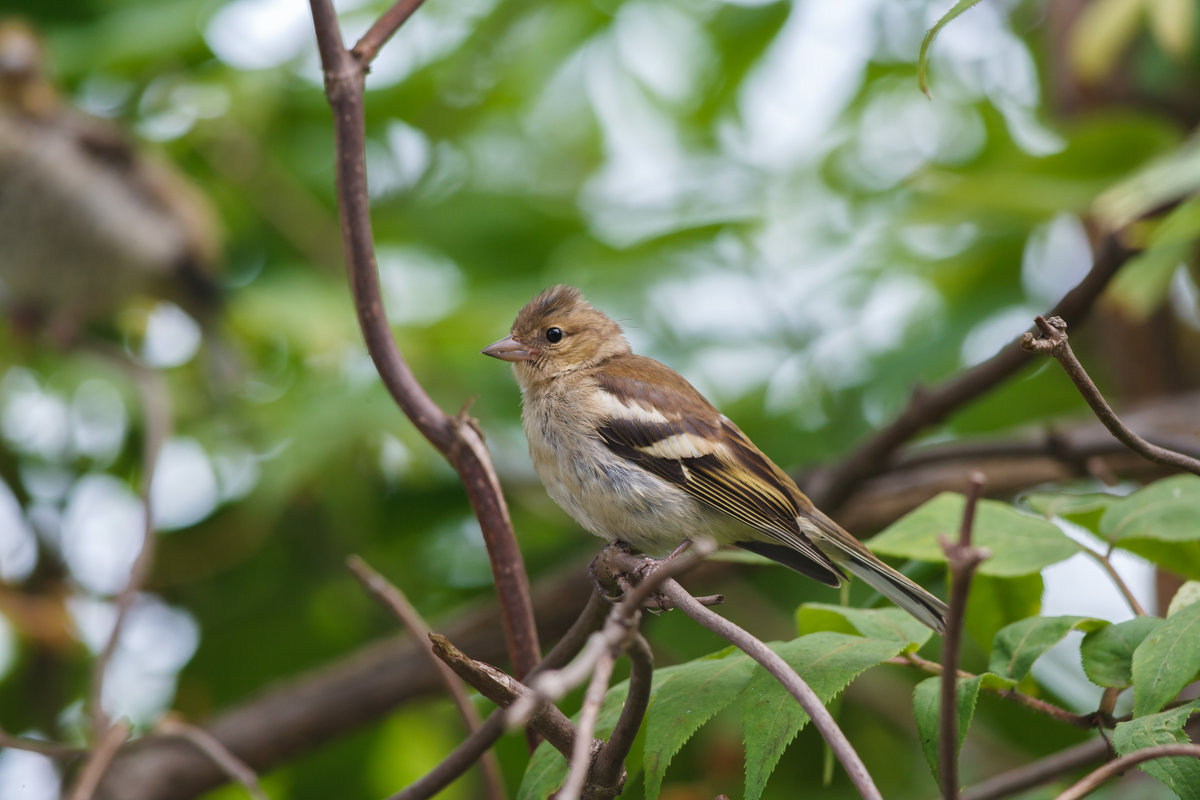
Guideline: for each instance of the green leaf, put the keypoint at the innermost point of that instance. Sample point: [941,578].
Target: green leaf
[1107,652]
[1165,510]
[997,602]
[1017,646]
[770,715]
[930,35]
[687,698]
[1173,23]
[1188,593]
[1101,33]
[1020,544]
[927,705]
[1181,775]
[1082,509]
[874,623]
[1166,661]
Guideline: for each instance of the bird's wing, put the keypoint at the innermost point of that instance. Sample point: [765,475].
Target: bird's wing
[657,420]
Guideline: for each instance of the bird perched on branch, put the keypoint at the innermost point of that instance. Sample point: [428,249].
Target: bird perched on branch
[635,453]
[87,221]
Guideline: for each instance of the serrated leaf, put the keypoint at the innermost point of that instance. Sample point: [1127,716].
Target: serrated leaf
[1020,544]
[1165,510]
[1181,775]
[1188,593]
[997,602]
[930,35]
[689,696]
[927,705]
[1166,661]
[1107,652]
[770,715]
[874,623]
[1017,646]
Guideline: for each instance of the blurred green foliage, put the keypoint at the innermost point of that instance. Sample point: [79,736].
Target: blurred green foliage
[757,190]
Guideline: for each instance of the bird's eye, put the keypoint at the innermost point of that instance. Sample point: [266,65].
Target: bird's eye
[554,335]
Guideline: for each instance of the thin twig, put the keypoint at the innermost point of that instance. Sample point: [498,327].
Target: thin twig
[504,690]
[1105,561]
[795,685]
[1094,779]
[156,413]
[383,29]
[455,437]
[1053,342]
[609,769]
[1020,698]
[930,406]
[1041,771]
[98,760]
[394,600]
[39,746]
[208,744]
[963,559]
[593,697]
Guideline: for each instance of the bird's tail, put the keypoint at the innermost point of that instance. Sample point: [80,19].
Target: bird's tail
[850,554]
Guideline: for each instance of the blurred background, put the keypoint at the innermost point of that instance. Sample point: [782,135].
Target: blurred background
[758,190]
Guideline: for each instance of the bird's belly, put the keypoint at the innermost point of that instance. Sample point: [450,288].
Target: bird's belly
[617,500]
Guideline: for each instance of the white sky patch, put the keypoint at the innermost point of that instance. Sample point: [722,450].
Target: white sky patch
[34,421]
[98,420]
[994,332]
[18,549]
[102,532]
[1057,256]
[420,286]
[666,49]
[172,337]
[184,490]
[28,776]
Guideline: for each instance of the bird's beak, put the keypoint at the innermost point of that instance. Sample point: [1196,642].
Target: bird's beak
[509,349]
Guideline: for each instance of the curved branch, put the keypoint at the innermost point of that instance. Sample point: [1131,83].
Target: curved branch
[1053,342]
[455,437]
[610,763]
[929,407]
[774,664]
[1092,780]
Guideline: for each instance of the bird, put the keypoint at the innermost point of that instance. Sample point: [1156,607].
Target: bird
[88,220]
[634,453]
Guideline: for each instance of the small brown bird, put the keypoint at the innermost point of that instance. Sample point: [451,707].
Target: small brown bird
[86,219]
[635,453]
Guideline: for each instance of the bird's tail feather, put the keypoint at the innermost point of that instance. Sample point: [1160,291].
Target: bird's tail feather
[895,587]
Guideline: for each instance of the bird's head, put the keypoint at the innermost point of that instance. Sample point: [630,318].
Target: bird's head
[555,333]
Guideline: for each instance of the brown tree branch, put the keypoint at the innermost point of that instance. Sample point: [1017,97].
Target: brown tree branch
[455,437]
[1041,771]
[963,558]
[504,690]
[98,761]
[204,741]
[1092,781]
[384,28]
[580,765]
[156,413]
[928,407]
[395,601]
[779,669]
[1053,342]
[609,769]
[1105,562]
[39,746]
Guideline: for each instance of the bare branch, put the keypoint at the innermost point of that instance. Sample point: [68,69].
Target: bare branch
[1093,780]
[395,601]
[930,406]
[504,690]
[39,746]
[795,685]
[98,761]
[1105,561]
[963,559]
[156,412]
[585,748]
[455,437]
[1041,771]
[230,764]
[1053,342]
[383,29]
[609,768]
